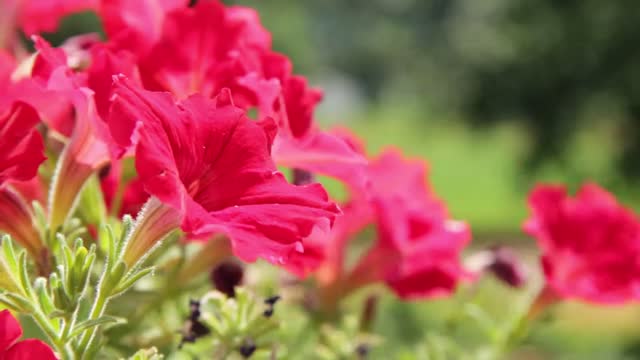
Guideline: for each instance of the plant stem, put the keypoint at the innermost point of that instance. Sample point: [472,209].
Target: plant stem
[44,324]
[97,310]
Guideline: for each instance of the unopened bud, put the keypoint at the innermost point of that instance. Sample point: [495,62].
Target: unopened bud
[302,177]
[271,302]
[502,263]
[247,348]
[362,351]
[507,267]
[226,276]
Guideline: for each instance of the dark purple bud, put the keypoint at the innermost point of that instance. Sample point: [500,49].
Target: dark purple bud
[507,267]
[104,171]
[194,309]
[362,351]
[303,177]
[247,348]
[227,276]
[272,300]
[193,329]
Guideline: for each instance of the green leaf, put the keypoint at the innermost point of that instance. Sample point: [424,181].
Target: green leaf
[92,207]
[103,320]
[25,282]
[147,354]
[9,254]
[128,282]
[42,293]
[16,302]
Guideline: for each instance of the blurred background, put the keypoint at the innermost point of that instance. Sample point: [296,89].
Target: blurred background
[496,95]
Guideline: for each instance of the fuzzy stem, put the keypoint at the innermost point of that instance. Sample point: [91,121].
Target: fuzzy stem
[103,295]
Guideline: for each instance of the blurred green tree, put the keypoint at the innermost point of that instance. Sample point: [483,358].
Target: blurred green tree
[543,63]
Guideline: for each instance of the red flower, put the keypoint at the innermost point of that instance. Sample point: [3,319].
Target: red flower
[90,146]
[418,247]
[122,194]
[210,47]
[204,49]
[300,143]
[43,16]
[590,244]
[21,147]
[21,153]
[212,164]
[12,349]
[34,16]
[136,25]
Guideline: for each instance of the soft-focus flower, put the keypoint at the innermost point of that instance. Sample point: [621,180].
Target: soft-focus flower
[418,246]
[35,16]
[12,349]
[288,98]
[590,243]
[206,160]
[17,84]
[90,146]
[136,25]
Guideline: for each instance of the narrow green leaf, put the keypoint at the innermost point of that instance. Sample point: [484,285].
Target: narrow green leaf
[103,320]
[130,280]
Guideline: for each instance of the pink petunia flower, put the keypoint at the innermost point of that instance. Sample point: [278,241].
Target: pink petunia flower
[211,165]
[210,46]
[417,250]
[590,243]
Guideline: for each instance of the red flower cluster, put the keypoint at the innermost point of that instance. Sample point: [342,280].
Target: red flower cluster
[590,244]
[172,87]
[12,349]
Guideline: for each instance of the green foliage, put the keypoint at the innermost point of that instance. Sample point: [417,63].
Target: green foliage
[70,304]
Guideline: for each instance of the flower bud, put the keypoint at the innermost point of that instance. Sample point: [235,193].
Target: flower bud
[17,220]
[247,348]
[226,276]
[154,223]
[507,267]
[501,262]
[302,177]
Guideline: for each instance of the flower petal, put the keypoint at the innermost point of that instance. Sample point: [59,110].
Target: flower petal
[10,330]
[30,349]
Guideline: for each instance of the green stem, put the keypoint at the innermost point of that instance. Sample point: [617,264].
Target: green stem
[103,295]
[45,325]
